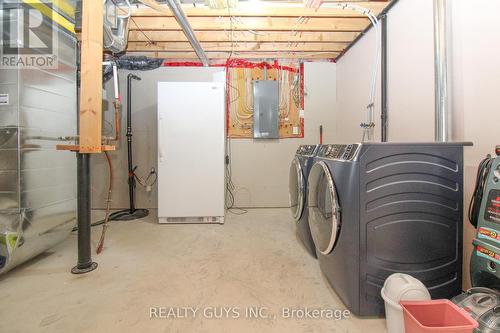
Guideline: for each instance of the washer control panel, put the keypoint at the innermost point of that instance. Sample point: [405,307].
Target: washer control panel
[306,150]
[338,152]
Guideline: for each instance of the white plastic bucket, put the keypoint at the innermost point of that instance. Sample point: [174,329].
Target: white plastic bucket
[400,287]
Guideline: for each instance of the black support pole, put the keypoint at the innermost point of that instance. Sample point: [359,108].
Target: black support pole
[85,263]
[384,83]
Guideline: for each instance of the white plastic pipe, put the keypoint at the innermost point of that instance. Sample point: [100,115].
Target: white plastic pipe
[115,81]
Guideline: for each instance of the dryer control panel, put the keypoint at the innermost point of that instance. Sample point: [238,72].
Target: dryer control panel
[338,152]
[306,150]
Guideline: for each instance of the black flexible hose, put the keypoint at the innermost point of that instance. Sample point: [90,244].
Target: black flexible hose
[477,197]
[131,168]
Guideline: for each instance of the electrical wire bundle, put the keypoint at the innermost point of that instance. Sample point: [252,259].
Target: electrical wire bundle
[234,95]
[296,93]
[284,93]
[146,181]
[230,187]
[477,196]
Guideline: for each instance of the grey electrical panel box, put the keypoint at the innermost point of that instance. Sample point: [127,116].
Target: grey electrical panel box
[265,109]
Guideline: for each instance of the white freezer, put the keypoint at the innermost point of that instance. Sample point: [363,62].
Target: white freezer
[191,152]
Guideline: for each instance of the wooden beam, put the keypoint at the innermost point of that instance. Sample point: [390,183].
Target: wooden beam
[243,36]
[156,6]
[240,47]
[91,77]
[246,10]
[172,56]
[76,148]
[253,24]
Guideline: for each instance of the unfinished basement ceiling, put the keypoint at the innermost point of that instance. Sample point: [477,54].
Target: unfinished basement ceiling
[252,29]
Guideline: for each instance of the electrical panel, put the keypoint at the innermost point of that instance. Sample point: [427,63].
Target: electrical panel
[265,109]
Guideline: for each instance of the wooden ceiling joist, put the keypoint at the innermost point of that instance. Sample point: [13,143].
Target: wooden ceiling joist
[246,46]
[268,11]
[252,24]
[239,55]
[245,36]
[271,30]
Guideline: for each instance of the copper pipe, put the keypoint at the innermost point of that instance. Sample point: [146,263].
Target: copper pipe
[100,245]
[118,120]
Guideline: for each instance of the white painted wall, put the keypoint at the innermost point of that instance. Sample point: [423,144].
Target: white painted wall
[261,167]
[354,72]
[144,124]
[410,72]
[474,76]
[476,87]
[410,76]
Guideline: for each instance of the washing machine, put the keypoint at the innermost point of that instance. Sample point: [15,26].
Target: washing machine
[299,171]
[381,208]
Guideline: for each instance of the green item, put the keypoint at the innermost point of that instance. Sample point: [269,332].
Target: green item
[9,240]
[485,261]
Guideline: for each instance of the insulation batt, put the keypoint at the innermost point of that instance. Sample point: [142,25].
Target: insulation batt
[136,63]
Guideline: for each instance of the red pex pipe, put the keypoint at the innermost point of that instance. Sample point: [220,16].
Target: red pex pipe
[228,102]
[242,63]
[301,76]
[233,63]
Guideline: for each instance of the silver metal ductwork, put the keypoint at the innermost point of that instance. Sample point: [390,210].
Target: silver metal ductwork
[443,122]
[37,183]
[181,18]
[116,33]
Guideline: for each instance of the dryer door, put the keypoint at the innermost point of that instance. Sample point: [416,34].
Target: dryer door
[297,189]
[324,208]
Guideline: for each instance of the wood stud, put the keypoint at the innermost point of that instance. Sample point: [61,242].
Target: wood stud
[91,78]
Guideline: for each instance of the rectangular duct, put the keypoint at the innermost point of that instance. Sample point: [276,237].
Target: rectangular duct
[37,183]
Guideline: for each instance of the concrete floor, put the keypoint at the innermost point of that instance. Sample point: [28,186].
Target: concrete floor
[254,260]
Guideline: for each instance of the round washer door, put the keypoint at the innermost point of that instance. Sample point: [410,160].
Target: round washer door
[324,208]
[297,188]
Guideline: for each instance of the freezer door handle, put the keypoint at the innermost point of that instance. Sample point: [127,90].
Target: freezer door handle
[160,137]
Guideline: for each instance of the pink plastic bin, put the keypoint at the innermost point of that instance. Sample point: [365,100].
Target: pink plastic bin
[436,316]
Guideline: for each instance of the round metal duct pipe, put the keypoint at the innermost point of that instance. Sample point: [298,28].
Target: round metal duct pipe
[442,113]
